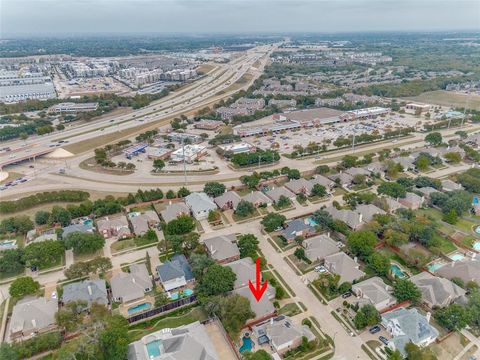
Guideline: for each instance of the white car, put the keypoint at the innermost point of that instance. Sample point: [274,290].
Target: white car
[319,269]
[54,295]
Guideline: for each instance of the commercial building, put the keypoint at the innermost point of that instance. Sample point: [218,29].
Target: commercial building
[207,124]
[184,138]
[363,114]
[282,124]
[135,150]
[71,107]
[414,108]
[236,148]
[16,93]
[188,153]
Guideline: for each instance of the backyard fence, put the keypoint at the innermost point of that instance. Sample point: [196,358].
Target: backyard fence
[162,309]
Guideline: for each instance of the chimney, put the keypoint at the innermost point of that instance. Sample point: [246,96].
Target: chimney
[428,316]
[34,323]
[360,218]
[169,202]
[355,259]
[271,321]
[89,288]
[133,280]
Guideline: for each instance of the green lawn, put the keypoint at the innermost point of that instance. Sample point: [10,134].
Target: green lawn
[291,309]
[237,217]
[267,275]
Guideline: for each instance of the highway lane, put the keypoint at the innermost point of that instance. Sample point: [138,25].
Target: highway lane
[202,93]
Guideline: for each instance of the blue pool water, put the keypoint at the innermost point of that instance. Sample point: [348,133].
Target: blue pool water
[397,271]
[476,245]
[477,229]
[311,221]
[187,292]
[7,244]
[141,307]
[153,348]
[435,266]
[247,344]
[88,222]
[475,200]
[457,257]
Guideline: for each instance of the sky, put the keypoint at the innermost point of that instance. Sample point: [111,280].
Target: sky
[67,17]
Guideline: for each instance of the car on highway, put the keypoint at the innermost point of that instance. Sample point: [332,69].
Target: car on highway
[383,339]
[374,329]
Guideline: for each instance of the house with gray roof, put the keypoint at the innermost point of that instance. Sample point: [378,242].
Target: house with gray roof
[245,271]
[262,309]
[466,269]
[343,178]
[88,291]
[186,342]
[376,168]
[275,193]
[353,219]
[282,334]
[174,210]
[200,205]
[412,201]
[368,211]
[357,171]
[114,227]
[257,198]
[142,222]
[175,273]
[393,205]
[223,249]
[324,181]
[32,316]
[228,200]
[407,162]
[408,325]
[319,247]
[437,291]
[84,228]
[131,286]
[298,227]
[343,265]
[426,191]
[299,186]
[375,292]
[449,185]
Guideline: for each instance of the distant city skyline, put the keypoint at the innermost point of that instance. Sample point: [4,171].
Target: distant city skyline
[69,17]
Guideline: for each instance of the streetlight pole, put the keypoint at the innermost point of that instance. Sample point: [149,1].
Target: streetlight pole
[184,164]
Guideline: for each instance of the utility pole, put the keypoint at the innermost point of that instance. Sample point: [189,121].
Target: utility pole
[184,163]
[353,141]
[464,111]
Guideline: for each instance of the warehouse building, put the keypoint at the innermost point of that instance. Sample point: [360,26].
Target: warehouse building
[363,114]
[70,107]
[188,153]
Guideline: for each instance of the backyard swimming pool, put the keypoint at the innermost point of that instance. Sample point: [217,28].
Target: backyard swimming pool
[175,295]
[310,221]
[456,256]
[433,267]
[397,271]
[140,307]
[8,244]
[247,344]
[476,245]
[153,348]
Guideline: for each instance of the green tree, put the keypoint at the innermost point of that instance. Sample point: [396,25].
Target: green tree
[453,157]
[349,161]
[41,217]
[405,290]
[199,263]
[43,254]
[273,221]
[392,189]
[379,263]
[82,243]
[368,315]
[60,215]
[415,352]
[474,306]
[244,208]
[362,243]
[23,286]
[7,352]
[451,217]
[170,194]
[248,245]
[181,225]
[283,202]
[454,317]
[217,280]
[69,317]
[158,164]
[396,355]
[214,188]
[395,238]
[319,190]
[257,355]
[183,192]
[12,261]
[434,138]
[422,162]
[114,340]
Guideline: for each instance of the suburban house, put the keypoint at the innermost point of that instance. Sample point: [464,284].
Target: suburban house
[407,162]
[343,265]
[282,334]
[257,198]
[426,191]
[412,201]
[186,342]
[467,270]
[437,291]
[353,219]
[343,179]
[375,292]
[131,286]
[223,249]
[84,228]
[318,247]
[357,171]
[298,227]
[244,270]
[299,186]
[393,205]
[114,226]
[200,205]
[89,291]
[408,326]
[324,181]
[32,316]
[175,273]
[368,211]
[142,222]
[228,200]
[174,210]
[376,168]
[449,185]
[275,193]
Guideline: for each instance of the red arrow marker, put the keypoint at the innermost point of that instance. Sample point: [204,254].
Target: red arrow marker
[258,289]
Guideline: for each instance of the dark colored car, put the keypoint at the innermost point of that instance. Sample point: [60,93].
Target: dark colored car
[347,295]
[383,340]
[374,329]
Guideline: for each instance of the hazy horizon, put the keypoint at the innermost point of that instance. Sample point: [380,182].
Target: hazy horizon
[125,17]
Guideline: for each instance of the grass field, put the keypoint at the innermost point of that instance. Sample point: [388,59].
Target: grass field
[448,98]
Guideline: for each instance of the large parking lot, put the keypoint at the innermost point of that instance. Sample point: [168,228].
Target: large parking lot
[326,133]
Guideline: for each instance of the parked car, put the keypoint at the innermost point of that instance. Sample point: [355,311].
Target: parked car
[346,295]
[383,339]
[374,329]
[319,269]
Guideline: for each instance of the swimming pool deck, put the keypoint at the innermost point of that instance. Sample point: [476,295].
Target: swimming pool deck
[123,308]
